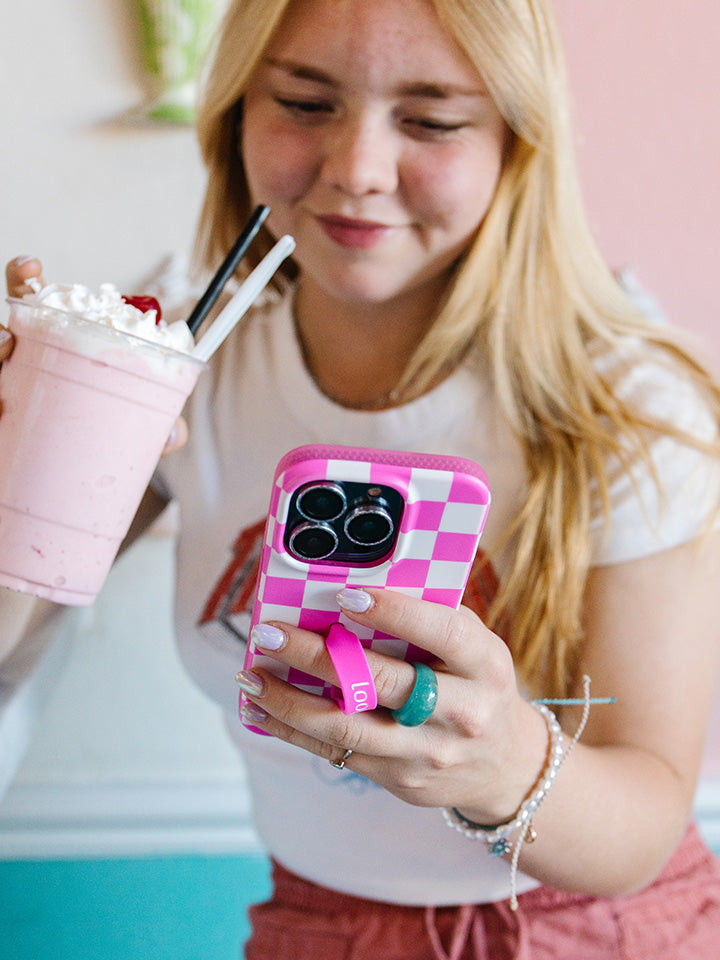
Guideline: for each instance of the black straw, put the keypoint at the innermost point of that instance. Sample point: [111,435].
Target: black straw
[227,268]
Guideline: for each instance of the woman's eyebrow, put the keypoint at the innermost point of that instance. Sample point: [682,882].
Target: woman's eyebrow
[302,71]
[441,91]
[423,89]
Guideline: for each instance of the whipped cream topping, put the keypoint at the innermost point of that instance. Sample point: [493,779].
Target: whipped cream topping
[107,307]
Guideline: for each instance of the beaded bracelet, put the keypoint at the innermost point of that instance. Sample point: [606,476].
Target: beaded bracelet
[496,837]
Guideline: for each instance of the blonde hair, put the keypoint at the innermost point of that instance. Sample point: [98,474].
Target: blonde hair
[532,292]
[241,41]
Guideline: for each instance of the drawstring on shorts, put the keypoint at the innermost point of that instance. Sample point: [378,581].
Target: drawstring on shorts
[469,930]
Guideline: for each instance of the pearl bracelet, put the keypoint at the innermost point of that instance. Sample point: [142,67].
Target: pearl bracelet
[496,837]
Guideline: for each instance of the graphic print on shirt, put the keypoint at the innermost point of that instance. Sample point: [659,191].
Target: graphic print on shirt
[229,606]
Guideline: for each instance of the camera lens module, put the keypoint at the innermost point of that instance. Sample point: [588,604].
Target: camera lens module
[313,541]
[369,525]
[343,522]
[321,501]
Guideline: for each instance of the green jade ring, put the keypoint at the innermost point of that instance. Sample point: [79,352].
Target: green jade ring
[422,701]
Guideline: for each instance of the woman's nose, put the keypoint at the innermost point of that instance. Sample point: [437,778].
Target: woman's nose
[362,157]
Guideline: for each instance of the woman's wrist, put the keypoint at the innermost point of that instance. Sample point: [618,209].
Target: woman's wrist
[508,837]
[519,774]
[495,830]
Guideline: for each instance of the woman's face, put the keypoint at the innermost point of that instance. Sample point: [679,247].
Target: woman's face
[375,143]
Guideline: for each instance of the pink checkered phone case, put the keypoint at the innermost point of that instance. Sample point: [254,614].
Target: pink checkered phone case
[344,516]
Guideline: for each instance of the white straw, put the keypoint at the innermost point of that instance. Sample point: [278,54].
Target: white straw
[241,301]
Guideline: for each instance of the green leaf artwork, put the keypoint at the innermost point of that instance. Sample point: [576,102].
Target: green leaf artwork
[175,35]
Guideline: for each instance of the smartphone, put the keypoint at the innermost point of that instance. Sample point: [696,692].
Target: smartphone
[348,516]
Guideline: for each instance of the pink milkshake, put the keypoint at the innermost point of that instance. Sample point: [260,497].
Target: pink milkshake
[86,411]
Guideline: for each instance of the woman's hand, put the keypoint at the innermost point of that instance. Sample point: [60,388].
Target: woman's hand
[481,750]
[17,274]
[6,344]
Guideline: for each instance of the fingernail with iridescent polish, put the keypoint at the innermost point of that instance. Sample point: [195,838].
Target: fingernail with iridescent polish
[251,713]
[250,683]
[354,600]
[267,637]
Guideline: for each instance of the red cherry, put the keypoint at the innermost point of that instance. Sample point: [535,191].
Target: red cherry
[144,304]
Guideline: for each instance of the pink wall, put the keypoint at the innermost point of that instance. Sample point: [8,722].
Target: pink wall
[645,78]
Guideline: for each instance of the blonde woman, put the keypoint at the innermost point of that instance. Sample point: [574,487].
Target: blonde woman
[445,295]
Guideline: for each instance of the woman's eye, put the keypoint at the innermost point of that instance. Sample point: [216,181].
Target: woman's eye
[309,109]
[425,126]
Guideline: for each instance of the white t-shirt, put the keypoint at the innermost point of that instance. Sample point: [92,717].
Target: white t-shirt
[257,402]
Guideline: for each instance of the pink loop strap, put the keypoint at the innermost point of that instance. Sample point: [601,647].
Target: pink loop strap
[350,662]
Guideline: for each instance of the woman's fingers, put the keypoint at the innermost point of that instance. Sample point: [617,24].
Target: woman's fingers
[465,656]
[456,637]
[461,645]
[6,344]
[18,272]
[178,436]
[306,651]
[316,723]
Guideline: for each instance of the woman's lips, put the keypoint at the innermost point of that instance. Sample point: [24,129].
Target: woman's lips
[357,234]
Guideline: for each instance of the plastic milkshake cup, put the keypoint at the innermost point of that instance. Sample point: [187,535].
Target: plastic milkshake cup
[86,412]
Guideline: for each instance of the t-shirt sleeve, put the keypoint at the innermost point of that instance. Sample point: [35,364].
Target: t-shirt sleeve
[656,509]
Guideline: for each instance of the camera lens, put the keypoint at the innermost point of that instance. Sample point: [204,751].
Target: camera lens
[321,501]
[368,525]
[313,541]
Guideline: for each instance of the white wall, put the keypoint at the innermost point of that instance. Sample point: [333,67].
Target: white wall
[128,754]
[97,198]
[129,757]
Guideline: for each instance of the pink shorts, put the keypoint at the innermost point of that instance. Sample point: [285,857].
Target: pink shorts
[676,918]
